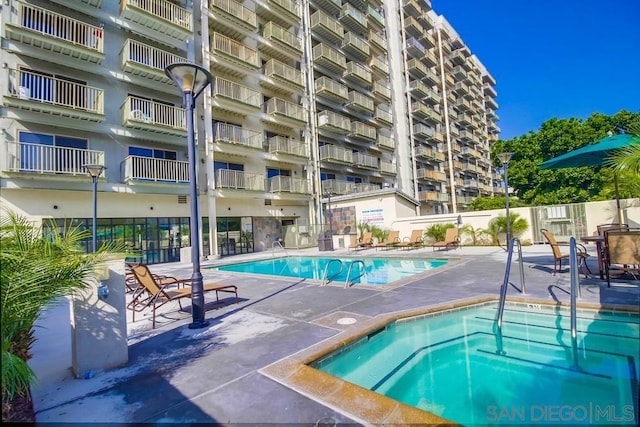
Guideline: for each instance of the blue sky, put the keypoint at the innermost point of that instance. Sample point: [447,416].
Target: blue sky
[562,58]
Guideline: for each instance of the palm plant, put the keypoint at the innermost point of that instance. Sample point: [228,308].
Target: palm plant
[498,226]
[362,227]
[379,233]
[474,233]
[36,270]
[438,231]
[626,161]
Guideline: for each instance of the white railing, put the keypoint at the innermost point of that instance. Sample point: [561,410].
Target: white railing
[360,129]
[323,50]
[242,94]
[387,167]
[235,49]
[377,39]
[56,91]
[386,141]
[60,26]
[236,9]
[49,159]
[332,152]
[150,56]
[334,120]
[288,184]
[337,186]
[365,160]
[289,5]
[380,65]
[285,108]
[358,70]
[321,18]
[382,89]
[163,9]
[282,144]
[286,72]
[331,86]
[363,101]
[232,134]
[239,180]
[151,112]
[357,42]
[349,10]
[272,30]
[156,170]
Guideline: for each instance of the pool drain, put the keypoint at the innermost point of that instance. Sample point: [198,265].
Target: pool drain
[346,321]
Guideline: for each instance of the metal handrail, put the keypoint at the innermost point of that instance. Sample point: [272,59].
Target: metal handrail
[326,280]
[503,290]
[273,249]
[347,283]
[575,283]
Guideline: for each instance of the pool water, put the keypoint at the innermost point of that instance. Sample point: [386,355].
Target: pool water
[377,271]
[448,364]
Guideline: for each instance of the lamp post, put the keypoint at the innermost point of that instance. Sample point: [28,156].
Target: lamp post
[192,80]
[504,158]
[94,171]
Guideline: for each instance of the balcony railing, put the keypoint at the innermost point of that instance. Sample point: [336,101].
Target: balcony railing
[386,142]
[363,187]
[135,52]
[148,169]
[358,71]
[335,153]
[35,87]
[360,130]
[388,168]
[331,120]
[337,187]
[237,51]
[431,174]
[289,184]
[228,89]
[281,144]
[239,180]
[48,159]
[231,134]
[365,160]
[336,90]
[275,32]
[327,26]
[380,65]
[162,9]
[283,72]
[151,113]
[236,11]
[328,57]
[360,101]
[280,107]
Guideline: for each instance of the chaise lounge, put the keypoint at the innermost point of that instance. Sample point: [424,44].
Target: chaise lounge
[451,240]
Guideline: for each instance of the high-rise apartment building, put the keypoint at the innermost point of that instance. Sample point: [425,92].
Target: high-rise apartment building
[309,98]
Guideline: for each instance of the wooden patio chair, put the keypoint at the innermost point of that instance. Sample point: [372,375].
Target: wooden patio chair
[364,242]
[622,252]
[156,294]
[392,239]
[558,256]
[413,242]
[451,240]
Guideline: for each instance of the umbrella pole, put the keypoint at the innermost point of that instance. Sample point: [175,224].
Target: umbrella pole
[615,184]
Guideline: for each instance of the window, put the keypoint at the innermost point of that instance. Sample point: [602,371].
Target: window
[153,153]
[277,172]
[325,176]
[52,153]
[228,166]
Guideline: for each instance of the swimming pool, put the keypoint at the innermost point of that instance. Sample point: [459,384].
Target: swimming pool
[446,363]
[377,271]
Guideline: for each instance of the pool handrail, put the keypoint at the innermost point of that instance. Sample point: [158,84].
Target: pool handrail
[503,289]
[325,279]
[347,283]
[273,249]
[575,287]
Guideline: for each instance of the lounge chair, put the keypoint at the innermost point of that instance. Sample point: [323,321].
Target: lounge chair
[558,256]
[451,240]
[622,252]
[155,294]
[391,241]
[415,241]
[364,242]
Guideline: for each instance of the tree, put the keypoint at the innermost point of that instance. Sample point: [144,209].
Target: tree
[498,227]
[438,231]
[494,202]
[36,270]
[626,163]
[362,227]
[475,233]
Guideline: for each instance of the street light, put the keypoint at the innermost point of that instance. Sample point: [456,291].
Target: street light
[192,80]
[504,158]
[94,171]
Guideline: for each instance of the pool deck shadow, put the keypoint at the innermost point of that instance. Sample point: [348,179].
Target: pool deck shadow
[226,373]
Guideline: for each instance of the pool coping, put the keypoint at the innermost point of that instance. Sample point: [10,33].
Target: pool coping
[361,404]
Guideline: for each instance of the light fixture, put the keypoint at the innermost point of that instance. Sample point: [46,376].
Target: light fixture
[94,171]
[192,80]
[504,158]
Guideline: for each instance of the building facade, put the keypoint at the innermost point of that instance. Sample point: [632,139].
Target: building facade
[309,98]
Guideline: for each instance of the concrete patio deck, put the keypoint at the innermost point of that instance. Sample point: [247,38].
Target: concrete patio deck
[212,375]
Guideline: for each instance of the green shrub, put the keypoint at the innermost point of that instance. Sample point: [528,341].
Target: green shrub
[437,232]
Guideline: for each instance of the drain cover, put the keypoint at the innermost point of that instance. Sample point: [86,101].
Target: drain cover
[346,321]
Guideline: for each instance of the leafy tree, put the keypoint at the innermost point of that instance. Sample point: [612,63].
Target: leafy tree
[498,227]
[438,231]
[626,164]
[36,270]
[495,202]
[362,228]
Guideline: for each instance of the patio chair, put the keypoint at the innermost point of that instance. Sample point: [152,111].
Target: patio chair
[558,256]
[451,240]
[413,242]
[392,239]
[158,294]
[622,252]
[364,242]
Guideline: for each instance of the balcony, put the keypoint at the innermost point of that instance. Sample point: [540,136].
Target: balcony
[415,49]
[356,46]
[282,77]
[36,92]
[383,116]
[374,18]
[458,57]
[335,154]
[377,42]
[32,159]
[427,40]
[432,196]
[281,43]
[358,74]
[332,7]
[431,175]
[381,91]
[232,18]
[284,12]
[430,59]
[461,88]
[489,90]
[429,153]
[160,16]
[459,72]
[365,161]
[326,27]
[432,97]
[284,145]
[239,180]
[413,27]
[138,170]
[331,90]
[353,19]
[425,113]
[386,142]
[387,168]
[151,116]
[431,78]
[232,56]
[142,60]
[333,122]
[423,131]
[287,184]
[412,8]
[55,33]
[363,187]
[380,67]
[362,131]
[81,4]
[360,103]
[337,187]
[234,98]
[470,183]
[418,89]
[236,139]
[285,113]
[327,57]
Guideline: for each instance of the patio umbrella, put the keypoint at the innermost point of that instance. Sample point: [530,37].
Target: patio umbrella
[593,155]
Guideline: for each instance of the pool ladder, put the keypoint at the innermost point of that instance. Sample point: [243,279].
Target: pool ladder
[348,283]
[575,290]
[275,245]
